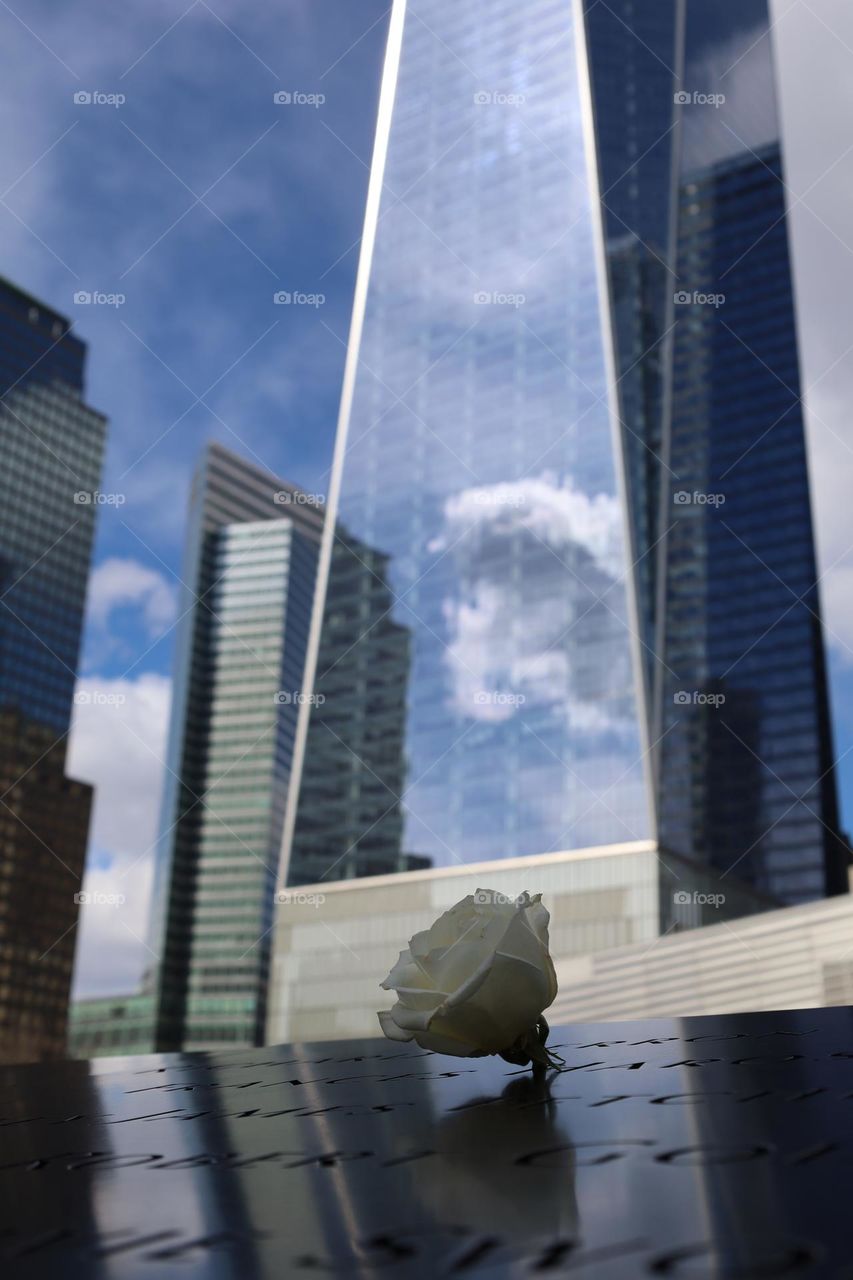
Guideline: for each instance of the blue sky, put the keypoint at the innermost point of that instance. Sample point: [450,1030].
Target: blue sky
[196,199]
[192,201]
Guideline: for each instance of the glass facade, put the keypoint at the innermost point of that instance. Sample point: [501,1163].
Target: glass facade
[351,795]
[110,1026]
[52,445]
[482,465]
[633,56]
[743,610]
[252,554]
[694,208]
[547,398]
[52,453]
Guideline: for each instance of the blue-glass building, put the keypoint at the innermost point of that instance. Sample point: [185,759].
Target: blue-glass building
[250,567]
[571,430]
[693,204]
[52,453]
[52,445]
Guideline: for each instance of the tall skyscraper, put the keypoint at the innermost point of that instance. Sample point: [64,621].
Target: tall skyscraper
[356,748]
[250,568]
[571,428]
[52,450]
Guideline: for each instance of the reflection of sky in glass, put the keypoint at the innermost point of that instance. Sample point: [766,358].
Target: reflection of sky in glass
[727,53]
[480,454]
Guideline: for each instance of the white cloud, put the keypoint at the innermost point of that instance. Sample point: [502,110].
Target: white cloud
[112,929]
[559,515]
[741,69]
[118,583]
[529,636]
[838,612]
[814,60]
[117,742]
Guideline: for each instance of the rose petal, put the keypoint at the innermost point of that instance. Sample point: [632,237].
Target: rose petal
[407,972]
[390,1028]
[437,1043]
[507,1004]
[446,929]
[521,941]
[418,998]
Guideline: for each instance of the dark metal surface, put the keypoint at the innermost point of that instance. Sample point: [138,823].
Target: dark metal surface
[688,1147]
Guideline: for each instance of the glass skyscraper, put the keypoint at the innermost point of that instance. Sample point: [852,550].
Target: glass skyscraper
[571,432]
[358,764]
[52,454]
[52,445]
[250,572]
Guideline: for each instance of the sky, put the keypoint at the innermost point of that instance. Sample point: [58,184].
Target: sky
[147,164]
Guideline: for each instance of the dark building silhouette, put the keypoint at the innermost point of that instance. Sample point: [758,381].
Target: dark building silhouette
[44,827]
[52,446]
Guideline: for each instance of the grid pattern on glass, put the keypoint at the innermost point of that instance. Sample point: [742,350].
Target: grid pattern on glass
[52,450]
[261,576]
[250,571]
[743,611]
[694,211]
[480,463]
[747,780]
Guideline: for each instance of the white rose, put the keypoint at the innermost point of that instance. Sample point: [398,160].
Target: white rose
[477,981]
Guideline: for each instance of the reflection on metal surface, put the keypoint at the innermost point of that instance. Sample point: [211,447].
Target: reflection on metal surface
[695,1146]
